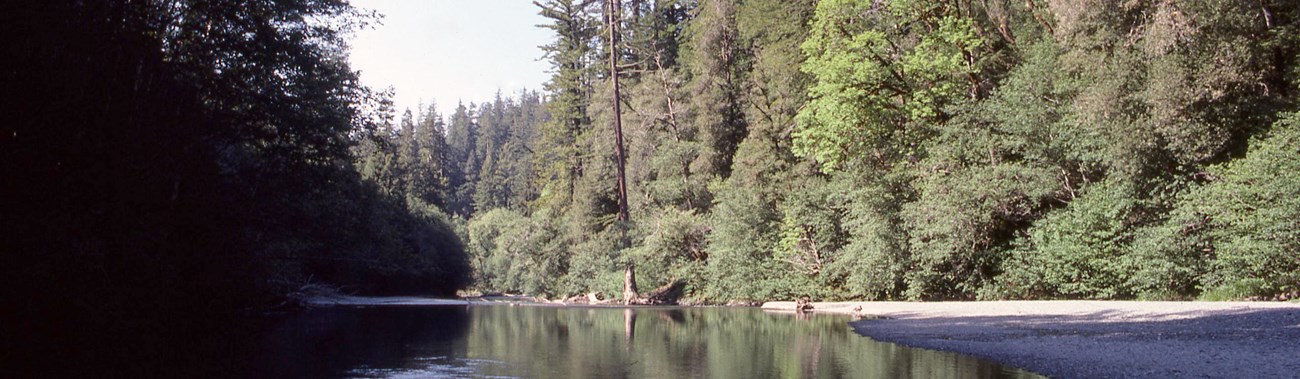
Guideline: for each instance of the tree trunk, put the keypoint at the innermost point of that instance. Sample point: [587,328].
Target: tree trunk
[629,284]
[629,276]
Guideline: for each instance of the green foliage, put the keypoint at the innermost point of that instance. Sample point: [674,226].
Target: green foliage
[507,129]
[462,145]
[878,86]
[1239,290]
[854,149]
[1203,61]
[595,265]
[811,237]
[558,157]
[714,61]
[740,247]
[674,247]
[840,240]
[1237,230]
[841,149]
[771,31]
[745,219]
[959,223]
[512,253]
[1171,257]
[873,263]
[1251,208]
[1075,252]
[386,247]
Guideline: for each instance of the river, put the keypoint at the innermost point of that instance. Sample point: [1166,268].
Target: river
[503,341]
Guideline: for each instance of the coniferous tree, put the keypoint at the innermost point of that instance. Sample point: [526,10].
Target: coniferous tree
[716,66]
[746,220]
[462,141]
[430,183]
[559,159]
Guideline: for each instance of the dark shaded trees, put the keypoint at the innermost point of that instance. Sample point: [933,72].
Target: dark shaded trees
[175,162]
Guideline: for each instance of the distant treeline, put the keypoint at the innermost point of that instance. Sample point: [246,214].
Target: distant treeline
[900,149]
[166,160]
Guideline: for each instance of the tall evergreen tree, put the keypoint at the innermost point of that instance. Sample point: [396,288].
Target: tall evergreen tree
[716,66]
[430,182]
[746,220]
[462,141]
[559,159]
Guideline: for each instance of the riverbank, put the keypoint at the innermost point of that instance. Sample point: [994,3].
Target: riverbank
[1087,339]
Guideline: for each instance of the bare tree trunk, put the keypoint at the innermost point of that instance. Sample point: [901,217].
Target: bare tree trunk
[629,274]
[629,284]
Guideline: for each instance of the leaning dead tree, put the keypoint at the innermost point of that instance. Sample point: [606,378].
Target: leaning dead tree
[629,274]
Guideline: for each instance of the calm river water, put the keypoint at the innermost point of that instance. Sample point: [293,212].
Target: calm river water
[501,341]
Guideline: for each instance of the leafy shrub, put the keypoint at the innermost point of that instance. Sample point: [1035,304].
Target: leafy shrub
[740,247]
[595,265]
[514,253]
[675,246]
[1238,290]
[1241,227]
[1075,252]
[957,226]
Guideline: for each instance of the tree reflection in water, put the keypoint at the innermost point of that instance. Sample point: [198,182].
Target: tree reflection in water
[535,341]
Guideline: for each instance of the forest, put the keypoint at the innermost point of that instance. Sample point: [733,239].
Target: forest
[177,172]
[895,149]
[179,158]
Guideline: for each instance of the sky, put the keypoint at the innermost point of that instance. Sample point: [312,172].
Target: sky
[451,51]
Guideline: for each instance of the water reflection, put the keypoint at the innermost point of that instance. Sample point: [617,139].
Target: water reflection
[557,342]
[334,342]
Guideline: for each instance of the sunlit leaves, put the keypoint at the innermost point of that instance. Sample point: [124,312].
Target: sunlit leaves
[883,76]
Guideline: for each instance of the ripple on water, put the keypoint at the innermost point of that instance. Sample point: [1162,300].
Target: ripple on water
[432,367]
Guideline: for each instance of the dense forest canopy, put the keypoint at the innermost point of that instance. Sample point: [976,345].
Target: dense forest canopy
[861,149]
[184,157]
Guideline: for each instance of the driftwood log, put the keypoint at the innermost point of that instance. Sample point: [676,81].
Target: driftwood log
[590,298]
[803,304]
[668,294]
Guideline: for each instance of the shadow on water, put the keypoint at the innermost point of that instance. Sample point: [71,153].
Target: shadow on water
[333,342]
[319,343]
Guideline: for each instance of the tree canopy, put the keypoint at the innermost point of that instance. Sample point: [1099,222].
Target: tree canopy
[856,149]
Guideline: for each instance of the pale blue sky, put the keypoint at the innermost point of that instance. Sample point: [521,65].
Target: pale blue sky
[451,50]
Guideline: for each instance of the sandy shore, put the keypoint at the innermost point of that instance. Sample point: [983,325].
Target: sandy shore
[1091,339]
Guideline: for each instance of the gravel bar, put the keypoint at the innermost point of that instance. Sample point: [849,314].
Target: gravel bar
[1096,339]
